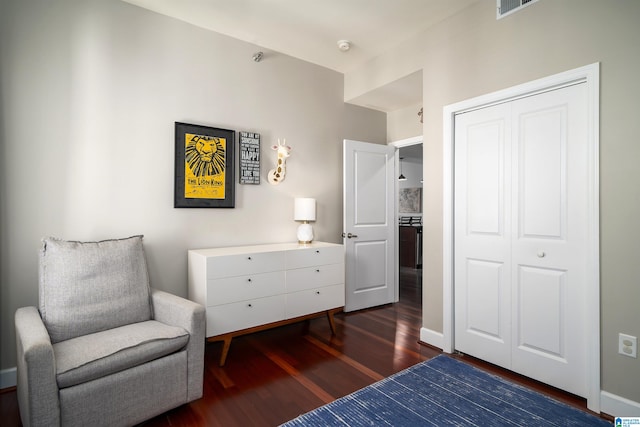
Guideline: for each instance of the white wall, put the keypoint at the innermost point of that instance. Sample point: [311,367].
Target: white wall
[412,170]
[89,93]
[404,123]
[472,54]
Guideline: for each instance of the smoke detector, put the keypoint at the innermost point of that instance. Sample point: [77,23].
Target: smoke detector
[344,45]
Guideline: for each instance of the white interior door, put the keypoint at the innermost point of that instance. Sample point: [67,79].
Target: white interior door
[369,224]
[521,236]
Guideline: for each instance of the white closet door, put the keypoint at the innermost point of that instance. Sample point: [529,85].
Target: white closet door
[520,236]
[549,257]
[483,234]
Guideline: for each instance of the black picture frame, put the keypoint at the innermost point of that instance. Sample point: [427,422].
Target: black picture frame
[249,158]
[204,167]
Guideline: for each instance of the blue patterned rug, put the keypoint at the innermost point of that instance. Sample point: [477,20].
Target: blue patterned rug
[445,392]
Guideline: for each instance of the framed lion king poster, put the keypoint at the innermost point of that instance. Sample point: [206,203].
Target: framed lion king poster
[204,167]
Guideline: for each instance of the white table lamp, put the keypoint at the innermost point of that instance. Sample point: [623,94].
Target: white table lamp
[305,211]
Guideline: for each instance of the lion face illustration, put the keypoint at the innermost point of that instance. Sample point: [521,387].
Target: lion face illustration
[205,155]
[206,148]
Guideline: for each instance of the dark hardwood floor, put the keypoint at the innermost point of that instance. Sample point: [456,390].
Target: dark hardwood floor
[273,376]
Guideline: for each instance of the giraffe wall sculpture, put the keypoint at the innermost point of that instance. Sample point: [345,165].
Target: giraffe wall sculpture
[276,175]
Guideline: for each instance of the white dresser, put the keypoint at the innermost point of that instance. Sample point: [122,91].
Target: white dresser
[250,288]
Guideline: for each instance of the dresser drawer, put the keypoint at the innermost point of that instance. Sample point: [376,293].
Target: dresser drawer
[241,288]
[309,257]
[243,264]
[314,300]
[313,277]
[226,318]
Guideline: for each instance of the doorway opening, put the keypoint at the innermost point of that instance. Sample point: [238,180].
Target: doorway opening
[409,214]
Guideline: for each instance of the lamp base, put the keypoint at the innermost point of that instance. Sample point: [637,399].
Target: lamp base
[305,233]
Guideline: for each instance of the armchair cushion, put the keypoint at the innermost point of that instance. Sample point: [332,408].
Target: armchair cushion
[92,356]
[88,287]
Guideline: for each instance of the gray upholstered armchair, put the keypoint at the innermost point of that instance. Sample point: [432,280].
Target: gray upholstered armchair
[104,348]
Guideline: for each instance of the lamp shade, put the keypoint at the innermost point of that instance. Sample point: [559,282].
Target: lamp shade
[304,209]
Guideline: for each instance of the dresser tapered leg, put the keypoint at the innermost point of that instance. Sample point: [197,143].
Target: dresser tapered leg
[226,338]
[332,323]
[225,349]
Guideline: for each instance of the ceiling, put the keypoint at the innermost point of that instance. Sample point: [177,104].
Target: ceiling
[310,30]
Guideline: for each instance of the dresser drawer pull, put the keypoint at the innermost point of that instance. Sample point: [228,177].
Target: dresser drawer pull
[249,305]
[249,280]
[317,251]
[317,270]
[249,258]
[317,292]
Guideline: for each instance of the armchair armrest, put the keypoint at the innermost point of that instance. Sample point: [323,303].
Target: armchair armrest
[176,311]
[36,366]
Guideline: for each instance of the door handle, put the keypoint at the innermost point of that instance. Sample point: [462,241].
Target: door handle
[349,235]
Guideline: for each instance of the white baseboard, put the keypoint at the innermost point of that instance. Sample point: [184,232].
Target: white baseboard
[8,378]
[617,406]
[433,338]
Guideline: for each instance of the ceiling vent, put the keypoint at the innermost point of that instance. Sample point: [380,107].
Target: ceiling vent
[507,7]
